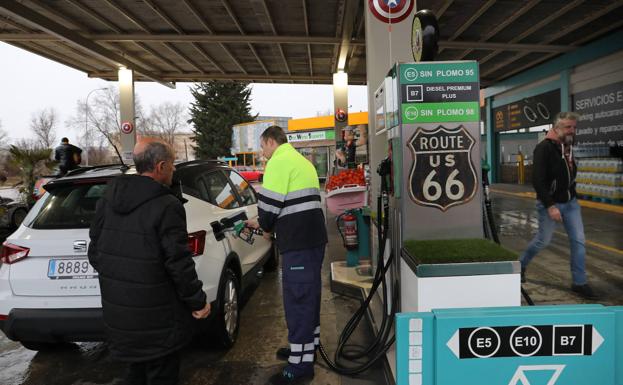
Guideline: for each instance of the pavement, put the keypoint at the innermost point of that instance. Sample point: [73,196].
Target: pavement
[548,275]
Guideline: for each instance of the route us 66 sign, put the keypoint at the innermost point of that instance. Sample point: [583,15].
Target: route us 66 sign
[443,173]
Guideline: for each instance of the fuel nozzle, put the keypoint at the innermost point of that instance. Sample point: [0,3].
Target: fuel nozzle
[246,233]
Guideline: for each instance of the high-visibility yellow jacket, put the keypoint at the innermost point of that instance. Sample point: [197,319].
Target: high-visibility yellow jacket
[289,201]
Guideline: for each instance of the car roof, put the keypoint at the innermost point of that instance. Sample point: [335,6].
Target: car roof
[112,170]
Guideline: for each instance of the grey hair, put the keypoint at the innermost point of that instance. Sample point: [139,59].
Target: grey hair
[154,153]
[565,115]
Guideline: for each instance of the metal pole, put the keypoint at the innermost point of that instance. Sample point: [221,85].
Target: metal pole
[86,122]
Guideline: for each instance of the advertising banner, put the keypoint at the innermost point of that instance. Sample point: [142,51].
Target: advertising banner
[601,115]
[529,112]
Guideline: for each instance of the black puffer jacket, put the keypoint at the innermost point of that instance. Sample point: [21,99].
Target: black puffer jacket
[64,154]
[149,286]
[553,179]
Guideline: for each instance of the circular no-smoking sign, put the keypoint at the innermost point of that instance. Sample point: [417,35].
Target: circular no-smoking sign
[127,127]
[393,11]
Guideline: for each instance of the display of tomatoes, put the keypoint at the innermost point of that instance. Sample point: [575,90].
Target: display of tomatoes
[344,178]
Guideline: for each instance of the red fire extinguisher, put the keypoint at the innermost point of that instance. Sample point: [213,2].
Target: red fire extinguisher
[349,224]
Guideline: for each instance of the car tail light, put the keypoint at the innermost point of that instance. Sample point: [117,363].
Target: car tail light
[3,317]
[12,253]
[197,242]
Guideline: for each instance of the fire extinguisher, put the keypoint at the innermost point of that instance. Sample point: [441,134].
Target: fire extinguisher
[349,224]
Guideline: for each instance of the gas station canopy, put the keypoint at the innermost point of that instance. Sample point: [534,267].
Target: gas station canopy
[294,41]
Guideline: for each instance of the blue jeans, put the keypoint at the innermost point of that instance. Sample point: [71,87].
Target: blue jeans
[572,220]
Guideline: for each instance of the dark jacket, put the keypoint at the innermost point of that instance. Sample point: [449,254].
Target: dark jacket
[553,179]
[66,155]
[149,286]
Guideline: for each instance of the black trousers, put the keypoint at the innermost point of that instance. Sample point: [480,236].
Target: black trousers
[161,371]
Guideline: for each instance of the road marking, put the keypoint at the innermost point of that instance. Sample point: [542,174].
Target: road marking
[590,204]
[600,246]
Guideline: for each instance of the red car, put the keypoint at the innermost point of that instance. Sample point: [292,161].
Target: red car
[252,176]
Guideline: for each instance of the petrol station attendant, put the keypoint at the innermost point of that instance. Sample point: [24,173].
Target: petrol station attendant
[289,205]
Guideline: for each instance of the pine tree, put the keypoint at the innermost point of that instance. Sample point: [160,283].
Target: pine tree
[217,107]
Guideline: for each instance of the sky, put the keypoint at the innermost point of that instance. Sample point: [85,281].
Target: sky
[29,83]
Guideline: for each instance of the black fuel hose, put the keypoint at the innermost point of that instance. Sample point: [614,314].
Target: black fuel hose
[384,338]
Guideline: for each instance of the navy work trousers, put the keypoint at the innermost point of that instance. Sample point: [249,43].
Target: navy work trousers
[302,285]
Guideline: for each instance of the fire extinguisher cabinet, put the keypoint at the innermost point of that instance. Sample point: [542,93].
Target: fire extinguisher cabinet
[354,226]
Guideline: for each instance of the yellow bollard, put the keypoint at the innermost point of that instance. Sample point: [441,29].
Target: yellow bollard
[521,169]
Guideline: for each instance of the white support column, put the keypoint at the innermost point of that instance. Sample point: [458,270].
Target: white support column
[340,101]
[126,101]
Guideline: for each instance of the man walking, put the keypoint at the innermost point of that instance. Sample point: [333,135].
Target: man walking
[68,156]
[289,205]
[149,286]
[554,182]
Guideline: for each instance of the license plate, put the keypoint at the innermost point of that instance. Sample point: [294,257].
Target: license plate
[71,269]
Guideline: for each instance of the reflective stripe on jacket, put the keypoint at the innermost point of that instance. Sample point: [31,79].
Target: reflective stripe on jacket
[289,201]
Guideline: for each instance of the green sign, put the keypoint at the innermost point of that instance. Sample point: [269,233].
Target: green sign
[311,135]
[457,72]
[440,112]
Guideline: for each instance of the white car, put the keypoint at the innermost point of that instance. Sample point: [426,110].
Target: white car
[50,294]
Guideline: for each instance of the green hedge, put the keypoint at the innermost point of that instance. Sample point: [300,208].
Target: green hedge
[458,251]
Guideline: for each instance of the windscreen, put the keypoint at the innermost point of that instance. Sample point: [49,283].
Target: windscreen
[69,207]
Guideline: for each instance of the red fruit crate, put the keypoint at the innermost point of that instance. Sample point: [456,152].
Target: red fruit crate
[346,197]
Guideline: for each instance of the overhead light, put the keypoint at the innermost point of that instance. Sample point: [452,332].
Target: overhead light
[340,79]
[125,75]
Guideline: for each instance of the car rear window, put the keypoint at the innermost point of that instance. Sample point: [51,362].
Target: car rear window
[69,207]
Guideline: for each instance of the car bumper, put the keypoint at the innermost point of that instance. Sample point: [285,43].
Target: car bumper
[54,325]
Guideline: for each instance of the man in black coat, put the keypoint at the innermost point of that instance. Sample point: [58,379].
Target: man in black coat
[554,182]
[68,157]
[149,286]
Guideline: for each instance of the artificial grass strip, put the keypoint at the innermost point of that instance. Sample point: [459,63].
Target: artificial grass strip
[458,251]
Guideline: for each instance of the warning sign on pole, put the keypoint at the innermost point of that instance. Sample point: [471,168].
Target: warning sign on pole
[127,127]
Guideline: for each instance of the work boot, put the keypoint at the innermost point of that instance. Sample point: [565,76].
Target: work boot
[585,291]
[284,377]
[523,275]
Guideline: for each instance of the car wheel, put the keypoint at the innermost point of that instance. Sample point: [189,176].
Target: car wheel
[227,320]
[18,217]
[272,264]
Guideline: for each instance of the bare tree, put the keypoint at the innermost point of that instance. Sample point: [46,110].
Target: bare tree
[4,136]
[101,127]
[42,124]
[166,120]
